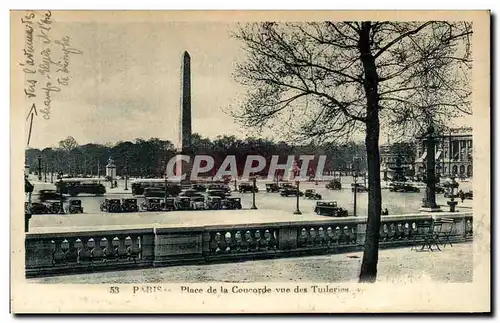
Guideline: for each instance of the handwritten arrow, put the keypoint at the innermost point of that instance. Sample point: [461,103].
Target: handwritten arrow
[31,114]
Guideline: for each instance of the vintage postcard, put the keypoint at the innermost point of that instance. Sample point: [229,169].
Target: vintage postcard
[250,162]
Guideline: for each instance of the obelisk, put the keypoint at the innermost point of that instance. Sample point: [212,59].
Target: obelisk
[185,117]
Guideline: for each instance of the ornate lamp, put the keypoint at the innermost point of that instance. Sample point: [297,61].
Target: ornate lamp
[254,181]
[453,187]
[297,211]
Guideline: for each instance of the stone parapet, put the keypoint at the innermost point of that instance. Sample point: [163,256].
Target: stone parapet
[94,250]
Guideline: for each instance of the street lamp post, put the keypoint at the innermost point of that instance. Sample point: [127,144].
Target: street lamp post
[297,211]
[355,176]
[61,197]
[166,192]
[254,181]
[126,175]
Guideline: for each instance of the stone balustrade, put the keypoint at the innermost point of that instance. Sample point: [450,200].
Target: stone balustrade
[88,251]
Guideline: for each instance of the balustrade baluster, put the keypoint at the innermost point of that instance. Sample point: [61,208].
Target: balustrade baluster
[121,249]
[59,256]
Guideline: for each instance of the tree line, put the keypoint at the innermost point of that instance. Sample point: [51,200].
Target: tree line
[147,158]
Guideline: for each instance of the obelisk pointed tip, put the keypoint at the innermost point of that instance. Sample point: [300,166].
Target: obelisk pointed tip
[186,54]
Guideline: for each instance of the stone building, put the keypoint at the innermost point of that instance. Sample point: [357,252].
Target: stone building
[453,153]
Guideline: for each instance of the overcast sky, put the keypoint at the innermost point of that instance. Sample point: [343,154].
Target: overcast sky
[126,83]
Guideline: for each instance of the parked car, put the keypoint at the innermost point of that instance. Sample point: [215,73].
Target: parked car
[290,191]
[49,195]
[75,206]
[39,208]
[213,202]
[182,203]
[54,207]
[197,203]
[404,188]
[311,194]
[468,195]
[330,209]
[247,188]
[360,188]
[223,187]
[129,205]
[231,203]
[157,192]
[152,204]
[272,188]
[111,205]
[218,192]
[190,193]
[199,187]
[334,185]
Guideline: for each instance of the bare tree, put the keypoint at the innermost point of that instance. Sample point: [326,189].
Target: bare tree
[329,80]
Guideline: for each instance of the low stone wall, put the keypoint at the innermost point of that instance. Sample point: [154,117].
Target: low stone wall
[89,251]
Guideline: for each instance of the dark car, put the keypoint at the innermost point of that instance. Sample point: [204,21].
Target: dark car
[232,203]
[199,187]
[129,205]
[111,205]
[54,207]
[360,188]
[223,187]
[49,195]
[73,189]
[334,185]
[404,188]
[468,195]
[197,203]
[154,192]
[218,192]
[190,193]
[311,194]
[182,202]
[290,191]
[213,202]
[75,206]
[247,188]
[272,188]
[151,204]
[39,208]
[330,209]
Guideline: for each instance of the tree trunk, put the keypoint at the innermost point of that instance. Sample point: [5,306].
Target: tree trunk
[368,271]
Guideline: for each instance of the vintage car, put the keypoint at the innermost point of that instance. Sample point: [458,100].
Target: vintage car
[129,205]
[334,185]
[272,188]
[404,188]
[75,187]
[111,205]
[468,195]
[170,204]
[199,187]
[247,188]
[39,208]
[231,203]
[360,188]
[152,204]
[75,206]
[154,192]
[49,195]
[182,203]
[329,209]
[286,185]
[54,207]
[190,193]
[197,203]
[311,194]
[213,202]
[290,191]
[223,187]
[221,193]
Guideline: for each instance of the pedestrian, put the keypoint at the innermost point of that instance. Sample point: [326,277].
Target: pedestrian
[116,184]
[461,195]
